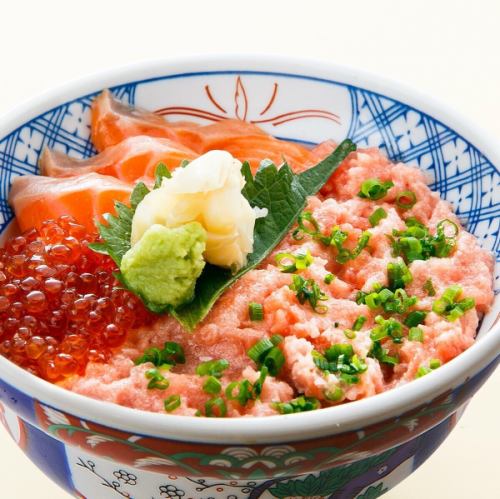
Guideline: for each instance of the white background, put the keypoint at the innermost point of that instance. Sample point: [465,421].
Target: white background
[447,48]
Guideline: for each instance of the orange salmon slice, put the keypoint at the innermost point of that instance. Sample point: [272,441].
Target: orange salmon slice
[86,198]
[112,122]
[132,159]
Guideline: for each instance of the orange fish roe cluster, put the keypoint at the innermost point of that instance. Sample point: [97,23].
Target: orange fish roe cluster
[60,305]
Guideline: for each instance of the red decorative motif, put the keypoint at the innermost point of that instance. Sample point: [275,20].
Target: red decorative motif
[241,109]
[208,460]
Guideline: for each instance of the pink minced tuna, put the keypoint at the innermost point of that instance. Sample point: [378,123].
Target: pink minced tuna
[228,332]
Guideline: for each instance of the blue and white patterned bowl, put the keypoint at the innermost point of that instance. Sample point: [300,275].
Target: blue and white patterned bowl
[99,450]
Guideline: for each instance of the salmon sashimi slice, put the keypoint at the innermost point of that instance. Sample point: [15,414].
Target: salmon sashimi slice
[112,121]
[130,160]
[85,197]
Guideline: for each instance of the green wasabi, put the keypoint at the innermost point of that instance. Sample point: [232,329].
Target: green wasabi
[163,266]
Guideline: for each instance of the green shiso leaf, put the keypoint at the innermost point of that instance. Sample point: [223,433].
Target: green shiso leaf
[279,190]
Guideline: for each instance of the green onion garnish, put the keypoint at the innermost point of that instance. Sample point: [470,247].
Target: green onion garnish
[340,358]
[309,290]
[416,243]
[171,403]
[434,363]
[376,216]
[212,385]
[381,354]
[265,353]
[212,368]
[329,278]
[374,189]
[349,334]
[299,404]
[274,361]
[429,288]
[423,370]
[215,408]
[307,225]
[258,351]
[416,334]
[243,393]
[448,305]
[415,318]
[255,311]
[156,380]
[387,328]
[399,275]
[358,323]
[288,262]
[336,238]
[171,354]
[336,395]
[258,385]
[406,200]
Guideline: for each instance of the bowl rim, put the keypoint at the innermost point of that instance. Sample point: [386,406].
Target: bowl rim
[279,428]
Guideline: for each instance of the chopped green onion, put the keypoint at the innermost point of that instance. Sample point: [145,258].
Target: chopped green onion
[299,261]
[212,368]
[161,172]
[448,305]
[373,301]
[259,384]
[434,363]
[429,288]
[184,163]
[171,354]
[399,275]
[212,385]
[358,323]
[243,394]
[340,358]
[374,189]
[171,403]
[443,224]
[329,278]
[215,408]
[308,225]
[299,404]
[406,200]
[274,361]
[349,334]
[157,380]
[387,328]
[266,353]
[258,351]
[422,371]
[336,238]
[276,339]
[415,318]
[309,290]
[335,351]
[416,334]
[255,311]
[336,395]
[381,354]
[416,243]
[376,216]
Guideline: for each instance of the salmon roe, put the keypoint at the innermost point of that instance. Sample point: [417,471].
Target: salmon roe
[60,305]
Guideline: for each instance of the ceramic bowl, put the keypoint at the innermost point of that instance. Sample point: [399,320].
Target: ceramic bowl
[359,450]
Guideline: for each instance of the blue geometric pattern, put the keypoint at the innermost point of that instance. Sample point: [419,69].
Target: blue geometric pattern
[457,169]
